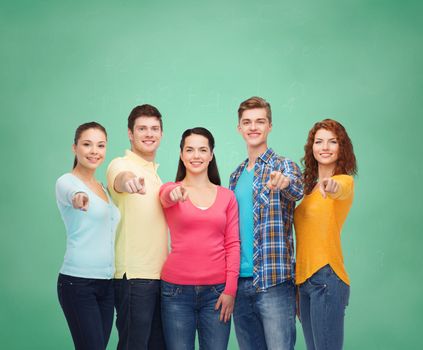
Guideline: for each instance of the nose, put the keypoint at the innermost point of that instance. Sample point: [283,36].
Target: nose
[196,153]
[253,125]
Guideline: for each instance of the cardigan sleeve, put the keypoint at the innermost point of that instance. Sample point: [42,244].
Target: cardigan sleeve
[65,190]
[232,247]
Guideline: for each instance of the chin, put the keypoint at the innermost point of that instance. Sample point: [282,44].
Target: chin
[197,170]
[255,143]
[327,162]
[146,150]
[91,166]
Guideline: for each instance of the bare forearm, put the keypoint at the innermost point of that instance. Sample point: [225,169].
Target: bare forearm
[121,180]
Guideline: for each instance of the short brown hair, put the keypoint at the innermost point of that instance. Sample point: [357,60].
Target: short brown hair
[255,102]
[143,111]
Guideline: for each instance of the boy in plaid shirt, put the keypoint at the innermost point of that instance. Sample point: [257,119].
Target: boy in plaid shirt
[266,186]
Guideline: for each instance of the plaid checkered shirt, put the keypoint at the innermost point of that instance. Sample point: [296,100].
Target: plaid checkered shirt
[273,212]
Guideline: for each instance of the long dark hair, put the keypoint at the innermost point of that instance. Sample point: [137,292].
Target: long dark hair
[212,171]
[346,163]
[80,129]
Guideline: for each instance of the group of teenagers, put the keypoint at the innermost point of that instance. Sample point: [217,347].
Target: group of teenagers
[231,249]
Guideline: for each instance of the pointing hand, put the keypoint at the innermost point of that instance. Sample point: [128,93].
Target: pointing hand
[135,185]
[328,185]
[277,181]
[80,201]
[179,194]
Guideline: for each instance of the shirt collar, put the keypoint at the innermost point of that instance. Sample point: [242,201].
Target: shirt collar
[138,159]
[267,155]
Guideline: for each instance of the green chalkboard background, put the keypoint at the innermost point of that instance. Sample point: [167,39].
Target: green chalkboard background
[360,62]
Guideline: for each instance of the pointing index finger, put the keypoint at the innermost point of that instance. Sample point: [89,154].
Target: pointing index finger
[184,193]
[322,189]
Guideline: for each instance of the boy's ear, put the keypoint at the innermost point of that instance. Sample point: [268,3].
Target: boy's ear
[130,135]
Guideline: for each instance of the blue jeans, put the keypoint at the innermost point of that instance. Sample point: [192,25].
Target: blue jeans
[138,318]
[265,319]
[88,307]
[187,309]
[323,299]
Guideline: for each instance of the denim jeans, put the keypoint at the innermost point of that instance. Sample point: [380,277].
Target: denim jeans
[323,299]
[88,307]
[138,318]
[265,319]
[187,309]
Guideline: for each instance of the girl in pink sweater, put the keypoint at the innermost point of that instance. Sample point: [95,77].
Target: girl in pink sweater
[199,277]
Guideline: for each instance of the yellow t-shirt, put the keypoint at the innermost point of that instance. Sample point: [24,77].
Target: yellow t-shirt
[141,239]
[318,223]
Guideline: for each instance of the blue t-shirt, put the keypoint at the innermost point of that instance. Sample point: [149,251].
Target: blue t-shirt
[244,196]
[90,240]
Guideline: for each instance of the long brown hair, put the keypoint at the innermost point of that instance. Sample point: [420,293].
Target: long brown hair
[346,163]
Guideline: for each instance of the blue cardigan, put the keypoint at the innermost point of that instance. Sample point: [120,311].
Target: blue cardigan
[90,234]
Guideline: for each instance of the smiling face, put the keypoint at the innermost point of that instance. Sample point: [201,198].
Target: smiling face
[145,137]
[325,148]
[90,148]
[254,126]
[196,154]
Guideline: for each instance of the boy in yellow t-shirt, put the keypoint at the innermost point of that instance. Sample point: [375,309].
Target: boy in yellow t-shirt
[141,239]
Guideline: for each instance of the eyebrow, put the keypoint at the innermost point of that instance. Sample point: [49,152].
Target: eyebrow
[250,119]
[201,147]
[92,141]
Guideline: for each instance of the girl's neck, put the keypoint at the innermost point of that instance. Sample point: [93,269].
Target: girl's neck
[86,175]
[326,171]
[197,180]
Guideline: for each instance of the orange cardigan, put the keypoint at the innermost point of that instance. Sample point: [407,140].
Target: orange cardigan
[318,223]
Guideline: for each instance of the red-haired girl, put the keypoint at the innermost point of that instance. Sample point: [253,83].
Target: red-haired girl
[329,165]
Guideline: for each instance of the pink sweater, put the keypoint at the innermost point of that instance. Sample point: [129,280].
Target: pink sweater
[204,243]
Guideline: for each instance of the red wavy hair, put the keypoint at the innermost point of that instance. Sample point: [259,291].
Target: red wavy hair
[346,163]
